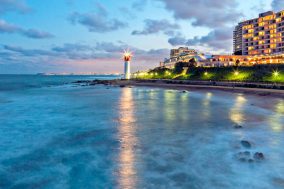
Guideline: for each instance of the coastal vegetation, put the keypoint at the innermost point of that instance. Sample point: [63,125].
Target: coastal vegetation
[188,71]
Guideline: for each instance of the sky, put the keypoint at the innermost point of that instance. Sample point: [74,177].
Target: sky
[79,36]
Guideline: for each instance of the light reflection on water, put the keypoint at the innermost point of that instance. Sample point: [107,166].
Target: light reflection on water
[169,102]
[127,136]
[237,111]
[276,119]
[206,105]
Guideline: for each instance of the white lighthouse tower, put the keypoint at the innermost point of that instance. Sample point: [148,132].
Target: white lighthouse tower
[127,58]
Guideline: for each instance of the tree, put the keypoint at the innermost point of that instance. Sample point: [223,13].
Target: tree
[192,62]
[238,62]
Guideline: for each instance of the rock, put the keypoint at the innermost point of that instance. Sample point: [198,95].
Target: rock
[279,181]
[237,126]
[122,86]
[258,156]
[250,160]
[184,91]
[243,156]
[242,159]
[246,144]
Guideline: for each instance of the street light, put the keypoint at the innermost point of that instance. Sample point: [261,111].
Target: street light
[276,73]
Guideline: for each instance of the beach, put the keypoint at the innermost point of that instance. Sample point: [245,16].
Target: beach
[58,133]
[260,89]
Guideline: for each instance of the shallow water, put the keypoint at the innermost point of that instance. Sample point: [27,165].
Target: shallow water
[66,136]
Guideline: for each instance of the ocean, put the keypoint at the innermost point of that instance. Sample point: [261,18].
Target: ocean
[55,134]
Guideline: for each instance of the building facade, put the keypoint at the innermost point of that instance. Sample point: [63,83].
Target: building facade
[260,36]
[181,54]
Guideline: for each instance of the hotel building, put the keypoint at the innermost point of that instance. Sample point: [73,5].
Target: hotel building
[181,54]
[260,36]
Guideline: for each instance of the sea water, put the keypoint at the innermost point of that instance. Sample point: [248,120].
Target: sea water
[57,135]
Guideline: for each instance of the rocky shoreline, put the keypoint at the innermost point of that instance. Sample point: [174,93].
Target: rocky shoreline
[261,89]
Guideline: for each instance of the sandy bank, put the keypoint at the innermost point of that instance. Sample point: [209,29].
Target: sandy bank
[261,89]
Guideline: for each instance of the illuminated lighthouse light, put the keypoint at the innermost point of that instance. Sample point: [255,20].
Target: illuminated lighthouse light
[127,55]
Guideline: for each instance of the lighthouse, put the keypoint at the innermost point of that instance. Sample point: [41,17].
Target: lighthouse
[127,58]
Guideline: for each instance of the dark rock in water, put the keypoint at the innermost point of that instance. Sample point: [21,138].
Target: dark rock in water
[237,126]
[243,156]
[184,91]
[250,160]
[122,86]
[279,181]
[258,156]
[246,144]
[242,159]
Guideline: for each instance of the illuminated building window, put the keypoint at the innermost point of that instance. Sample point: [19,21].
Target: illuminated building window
[261,42]
[256,38]
[261,33]
[250,48]
[273,46]
[261,24]
[273,31]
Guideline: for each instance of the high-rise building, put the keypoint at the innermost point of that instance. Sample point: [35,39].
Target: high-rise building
[262,35]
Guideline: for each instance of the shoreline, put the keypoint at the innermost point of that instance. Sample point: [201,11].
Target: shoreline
[235,87]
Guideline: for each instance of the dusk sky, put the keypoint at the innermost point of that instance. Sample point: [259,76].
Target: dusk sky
[90,35]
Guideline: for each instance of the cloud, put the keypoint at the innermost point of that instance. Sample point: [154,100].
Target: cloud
[177,40]
[139,5]
[27,52]
[156,26]
[36,34]
[6,27]
[206,13]
[104,56]
[277,5]
[218,39]
[127,13]
[72,47]
[13,5]
[98,22]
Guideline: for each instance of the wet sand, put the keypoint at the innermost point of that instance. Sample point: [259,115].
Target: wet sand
[185,86]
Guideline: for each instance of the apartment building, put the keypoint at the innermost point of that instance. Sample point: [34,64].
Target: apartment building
[260,36]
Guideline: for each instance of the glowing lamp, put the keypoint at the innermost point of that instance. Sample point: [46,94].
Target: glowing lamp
[276,73]
[127,56]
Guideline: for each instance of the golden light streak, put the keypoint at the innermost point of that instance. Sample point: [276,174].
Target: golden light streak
[127,136]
